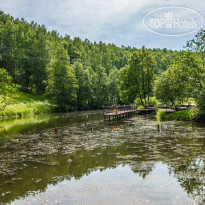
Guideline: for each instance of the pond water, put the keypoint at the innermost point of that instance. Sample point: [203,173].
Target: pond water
[134,161]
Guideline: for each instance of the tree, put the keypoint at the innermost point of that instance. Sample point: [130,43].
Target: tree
[172,86]
[100,88]
[114,87]
[195,63]
[5,80]
[33,57]
[197,45]
[137,78]
[62,84]
[84,92]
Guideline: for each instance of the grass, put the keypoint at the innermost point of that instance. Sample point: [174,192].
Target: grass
[25,105]
[180,115]
[140,107]
[160,115]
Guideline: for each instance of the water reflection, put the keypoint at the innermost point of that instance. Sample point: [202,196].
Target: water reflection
[114,186]
[156,166]
[45,121]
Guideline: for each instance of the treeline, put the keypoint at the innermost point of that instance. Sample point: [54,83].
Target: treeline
[77,73]
[182,80]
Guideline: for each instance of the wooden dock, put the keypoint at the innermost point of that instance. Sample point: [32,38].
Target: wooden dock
[118,112]
[125,111]
[119,115]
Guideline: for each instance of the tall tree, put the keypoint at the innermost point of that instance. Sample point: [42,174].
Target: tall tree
[114,87]
[173,86]
[62,84]
[84,92]
[5,80]
[137,78]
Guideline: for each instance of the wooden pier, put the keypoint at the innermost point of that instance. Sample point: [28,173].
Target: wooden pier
[119,115]
[124,111]
[118,112]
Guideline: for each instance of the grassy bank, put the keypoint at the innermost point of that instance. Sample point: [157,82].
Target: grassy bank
[25,105]
[180,115]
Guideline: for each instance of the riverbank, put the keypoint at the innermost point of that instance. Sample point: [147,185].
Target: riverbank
[184,115]
[21,104]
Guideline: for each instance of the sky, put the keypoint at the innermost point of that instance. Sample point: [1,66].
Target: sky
[110,21]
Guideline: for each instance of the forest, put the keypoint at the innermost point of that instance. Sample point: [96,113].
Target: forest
[75,74]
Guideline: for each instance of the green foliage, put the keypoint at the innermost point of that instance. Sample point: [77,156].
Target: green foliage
[160,115]
[62,84]
[181,115]
[137,78]
[5,80]
[77,73]
[153,102]
[100,87]
[84,91]
[25,105]
[140,107]
[172,86]
[114,87]
[201,107]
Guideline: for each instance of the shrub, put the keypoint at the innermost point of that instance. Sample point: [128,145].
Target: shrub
[140,107]
[160,115]
[181,115]
[153,102]
[200,111]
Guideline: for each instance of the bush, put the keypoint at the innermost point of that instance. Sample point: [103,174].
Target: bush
[26,109]
[160,115]
[180,115]
[200,111]
[25,104]
[140,107]
[153,102]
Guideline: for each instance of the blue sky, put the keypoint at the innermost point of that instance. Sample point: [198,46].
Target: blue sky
[110,21]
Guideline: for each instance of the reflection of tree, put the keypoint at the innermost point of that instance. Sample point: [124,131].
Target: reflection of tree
[191,176]
[51,169]
[56,158]
[142,168]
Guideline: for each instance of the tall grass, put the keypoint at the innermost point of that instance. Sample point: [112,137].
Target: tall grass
[26,110]
[160,115]
[180,115]
[25,105]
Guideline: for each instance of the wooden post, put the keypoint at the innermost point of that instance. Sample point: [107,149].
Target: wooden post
[158,128]
[56,130]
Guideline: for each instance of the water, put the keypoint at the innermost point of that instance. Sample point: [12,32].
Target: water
[126,162]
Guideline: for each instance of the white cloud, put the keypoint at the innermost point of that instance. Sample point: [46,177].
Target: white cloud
[114,21]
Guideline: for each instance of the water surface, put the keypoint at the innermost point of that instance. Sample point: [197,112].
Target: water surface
[133,161]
